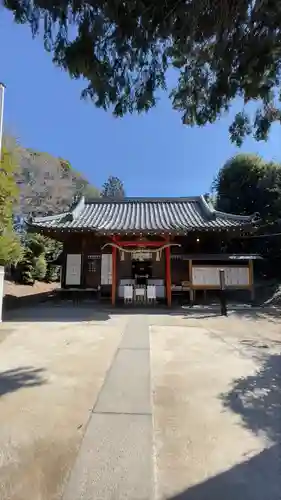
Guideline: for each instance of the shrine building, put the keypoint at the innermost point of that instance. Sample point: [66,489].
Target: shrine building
[160,248]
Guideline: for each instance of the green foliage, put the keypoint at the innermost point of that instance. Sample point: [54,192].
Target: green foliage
[10,247]
[39,268]
[247,184]
[8,189]
[52,248]
[34,265]
[222,50]
[52,273]
[36,244]
[25,269]
[113,188]
[52,251]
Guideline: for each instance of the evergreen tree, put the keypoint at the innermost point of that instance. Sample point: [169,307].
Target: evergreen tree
[25,268]
[247,184]
[113,188]
[221,49]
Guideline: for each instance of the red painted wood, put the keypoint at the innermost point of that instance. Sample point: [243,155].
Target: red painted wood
[139,243]
[168,276]
[113,286]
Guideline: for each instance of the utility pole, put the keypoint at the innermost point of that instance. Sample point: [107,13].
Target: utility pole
[2,93]
[2,269]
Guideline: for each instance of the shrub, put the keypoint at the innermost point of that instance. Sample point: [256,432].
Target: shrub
[39,268]
[51,274]
[25,269]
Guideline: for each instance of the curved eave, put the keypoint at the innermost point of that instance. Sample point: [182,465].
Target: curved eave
[243,219]
[102,232]
[142,216]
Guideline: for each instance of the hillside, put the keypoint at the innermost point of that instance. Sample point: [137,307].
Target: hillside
[47,184]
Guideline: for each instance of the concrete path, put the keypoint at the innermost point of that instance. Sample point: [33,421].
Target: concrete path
[141,407]
[115,459]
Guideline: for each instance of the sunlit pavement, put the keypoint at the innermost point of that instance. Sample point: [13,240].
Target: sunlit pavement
[144,406]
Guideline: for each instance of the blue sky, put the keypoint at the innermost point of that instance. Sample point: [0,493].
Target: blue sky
[154,154]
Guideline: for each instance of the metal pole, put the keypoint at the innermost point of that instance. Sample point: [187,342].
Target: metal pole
[2,92]
[222,293]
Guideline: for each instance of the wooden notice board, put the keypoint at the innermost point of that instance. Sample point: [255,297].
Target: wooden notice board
[236,277]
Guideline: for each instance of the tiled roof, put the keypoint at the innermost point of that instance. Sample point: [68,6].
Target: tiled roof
[142,214]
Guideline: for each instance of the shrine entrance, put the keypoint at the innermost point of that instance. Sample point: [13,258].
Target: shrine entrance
[141,271]
[134,266]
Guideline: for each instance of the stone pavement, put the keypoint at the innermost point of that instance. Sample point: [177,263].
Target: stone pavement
[115,459]
[171,406]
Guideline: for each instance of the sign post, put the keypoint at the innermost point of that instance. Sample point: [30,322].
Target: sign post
[223,293]
[2,92]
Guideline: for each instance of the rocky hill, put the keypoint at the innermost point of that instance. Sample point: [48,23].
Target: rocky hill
[47,184]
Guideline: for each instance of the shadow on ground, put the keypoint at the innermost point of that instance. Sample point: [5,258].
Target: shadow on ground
[257,400]
[272,314]
[18,378]
[57,313]
[254,479]
[50,311]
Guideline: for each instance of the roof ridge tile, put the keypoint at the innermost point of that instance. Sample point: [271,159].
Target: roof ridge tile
[143,215]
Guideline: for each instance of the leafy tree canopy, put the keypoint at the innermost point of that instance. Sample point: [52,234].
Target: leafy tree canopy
[10,247]
[36,243]
[247,184]
[222,50]
[40,268]
[36,262]
[113,188]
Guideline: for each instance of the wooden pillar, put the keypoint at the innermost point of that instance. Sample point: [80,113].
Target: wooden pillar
[251,280]
[191,292]
[113,271]
[83,260]
[168,276]
[63,267]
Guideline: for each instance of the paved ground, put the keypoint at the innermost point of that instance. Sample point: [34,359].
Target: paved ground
[140,406]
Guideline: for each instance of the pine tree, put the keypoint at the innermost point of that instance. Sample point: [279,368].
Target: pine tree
[25,268]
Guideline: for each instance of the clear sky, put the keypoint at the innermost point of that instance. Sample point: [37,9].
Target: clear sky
[154,154]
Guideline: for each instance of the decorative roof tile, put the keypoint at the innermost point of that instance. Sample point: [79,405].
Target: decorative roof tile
[141,215]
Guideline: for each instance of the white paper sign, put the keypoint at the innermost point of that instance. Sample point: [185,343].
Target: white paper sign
[106,269]
[73,269]
[209,276]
